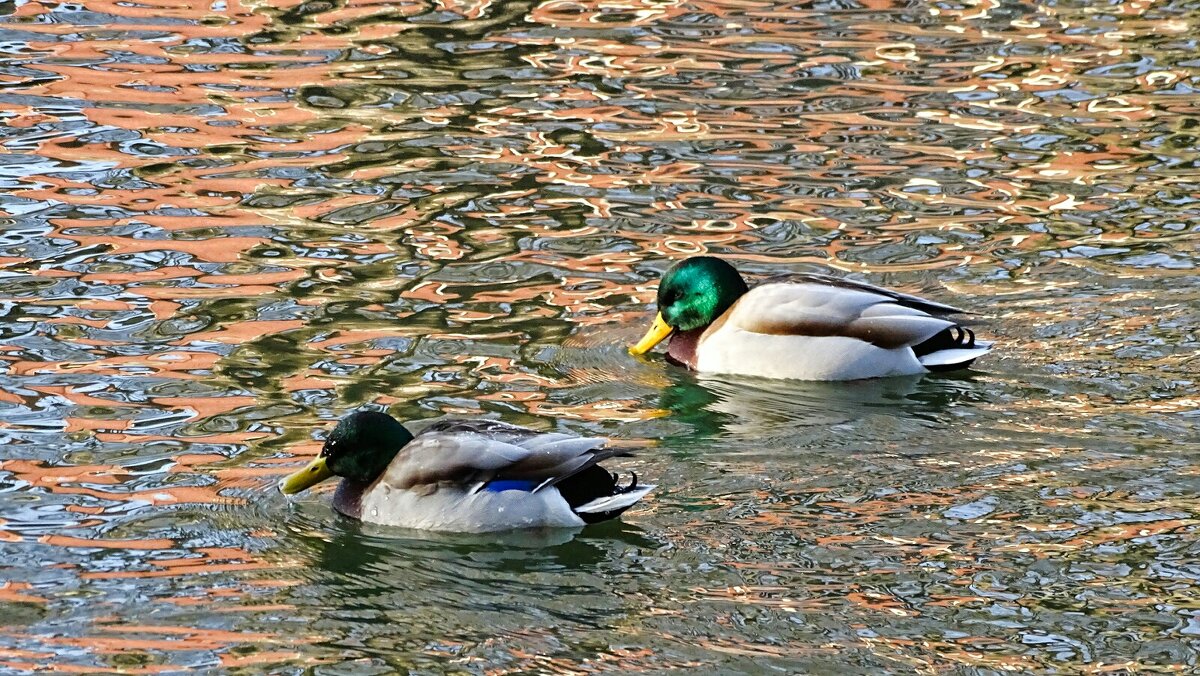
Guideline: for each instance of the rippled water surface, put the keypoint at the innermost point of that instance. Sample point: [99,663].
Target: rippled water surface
[224,224]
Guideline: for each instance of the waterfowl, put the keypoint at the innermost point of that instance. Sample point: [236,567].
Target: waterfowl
[807,327]
[469,476]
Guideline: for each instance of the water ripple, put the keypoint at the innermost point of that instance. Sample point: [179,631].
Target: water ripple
[222,226]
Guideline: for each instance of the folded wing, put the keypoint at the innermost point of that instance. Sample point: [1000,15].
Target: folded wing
[908,300]
[471,454]
[811,306]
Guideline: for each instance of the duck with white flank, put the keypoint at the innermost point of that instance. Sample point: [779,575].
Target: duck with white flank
[809,327]
[466,476]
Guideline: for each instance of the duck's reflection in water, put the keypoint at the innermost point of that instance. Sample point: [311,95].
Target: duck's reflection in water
[733,405]
[353,549]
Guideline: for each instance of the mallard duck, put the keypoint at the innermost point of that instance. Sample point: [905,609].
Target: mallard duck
[469,476]
[807,327]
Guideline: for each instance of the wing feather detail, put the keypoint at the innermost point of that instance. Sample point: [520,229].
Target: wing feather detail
[472,454]
[810,307]
[905,299]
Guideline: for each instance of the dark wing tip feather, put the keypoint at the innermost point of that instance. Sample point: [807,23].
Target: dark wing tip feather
[595,456]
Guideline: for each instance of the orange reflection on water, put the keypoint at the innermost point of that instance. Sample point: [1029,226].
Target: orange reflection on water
[251,217]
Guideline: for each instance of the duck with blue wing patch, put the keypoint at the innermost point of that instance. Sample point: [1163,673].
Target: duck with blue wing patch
[467,475]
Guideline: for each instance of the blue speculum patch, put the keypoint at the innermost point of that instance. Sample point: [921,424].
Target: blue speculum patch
[510,485]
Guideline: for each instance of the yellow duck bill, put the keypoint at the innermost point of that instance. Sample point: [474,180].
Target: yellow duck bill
[313,473]
[657,333]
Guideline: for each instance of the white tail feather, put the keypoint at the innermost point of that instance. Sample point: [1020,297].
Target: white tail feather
[610,503]
[956,355]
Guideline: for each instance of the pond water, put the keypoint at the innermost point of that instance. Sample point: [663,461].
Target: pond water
[223,225]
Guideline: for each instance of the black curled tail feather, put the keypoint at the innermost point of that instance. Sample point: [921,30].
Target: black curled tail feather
[952,338]
[591,484]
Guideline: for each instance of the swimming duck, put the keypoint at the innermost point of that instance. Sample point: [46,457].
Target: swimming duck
[471,476]
[807,327]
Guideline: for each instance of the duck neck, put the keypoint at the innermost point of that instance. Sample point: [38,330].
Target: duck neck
[347,499]
[682,349]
